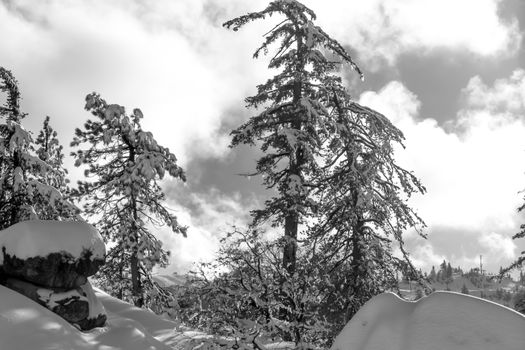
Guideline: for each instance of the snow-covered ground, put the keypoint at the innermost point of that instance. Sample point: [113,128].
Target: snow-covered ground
[441,321]
[25,325]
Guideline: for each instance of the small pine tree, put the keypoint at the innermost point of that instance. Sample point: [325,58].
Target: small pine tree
[432,275]
[126,164]
[464,289]
[443,269]
[449,271]
[48,149]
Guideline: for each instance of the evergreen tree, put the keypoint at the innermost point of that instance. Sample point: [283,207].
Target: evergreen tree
[23,191]
[432,276]
[124,197]
[449,271]
[464,289]
[48,149]
[519,262]
[330,161]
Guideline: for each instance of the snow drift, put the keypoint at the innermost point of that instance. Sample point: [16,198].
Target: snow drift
[26,325]
[441,321]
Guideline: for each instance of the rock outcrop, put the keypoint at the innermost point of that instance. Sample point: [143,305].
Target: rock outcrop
[50,262]
[56,270]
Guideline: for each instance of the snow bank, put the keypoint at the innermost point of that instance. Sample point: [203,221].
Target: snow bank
[27,325]
[33,238]
[441,321]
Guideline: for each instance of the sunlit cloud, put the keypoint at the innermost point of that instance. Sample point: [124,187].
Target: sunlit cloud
[473,173]
[209,217]
[380,31]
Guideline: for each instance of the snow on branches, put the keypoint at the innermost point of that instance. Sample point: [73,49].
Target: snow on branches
[24,191]
[126,164]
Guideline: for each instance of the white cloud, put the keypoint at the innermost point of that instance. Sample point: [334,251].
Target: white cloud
[472,174]
[505,96]
[381,29]
[166,58]
[423,256]
[175,61]
[209,216]
[498,246]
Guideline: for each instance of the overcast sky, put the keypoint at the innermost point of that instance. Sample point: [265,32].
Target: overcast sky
[450,74]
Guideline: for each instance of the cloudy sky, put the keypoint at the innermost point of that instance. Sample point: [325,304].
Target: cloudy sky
[450,74]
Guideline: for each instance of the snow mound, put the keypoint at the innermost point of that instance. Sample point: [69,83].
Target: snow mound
[26,325]
[441,321]
[34,238]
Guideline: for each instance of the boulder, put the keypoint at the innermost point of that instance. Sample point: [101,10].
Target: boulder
[56,270]
[50,262]
[53,254]
[78,306]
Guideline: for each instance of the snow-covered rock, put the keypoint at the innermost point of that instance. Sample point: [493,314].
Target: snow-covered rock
[441,321]
[55,254]
[25,324]
[50,262]
[78,306]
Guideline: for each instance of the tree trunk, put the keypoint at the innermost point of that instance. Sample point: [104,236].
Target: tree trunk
[17,201]
[136,284]
[291,221]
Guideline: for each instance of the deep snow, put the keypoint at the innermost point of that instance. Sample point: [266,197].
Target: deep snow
[441,321]
[26,325]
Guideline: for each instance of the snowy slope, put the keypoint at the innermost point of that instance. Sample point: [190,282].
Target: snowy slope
[25,325]
[441,321]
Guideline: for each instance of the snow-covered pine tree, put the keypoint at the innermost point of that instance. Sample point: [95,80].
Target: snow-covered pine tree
[329,158]
[22,192]
[48,148]
[293,125]
[432,276]
[124,196]
[362,195]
